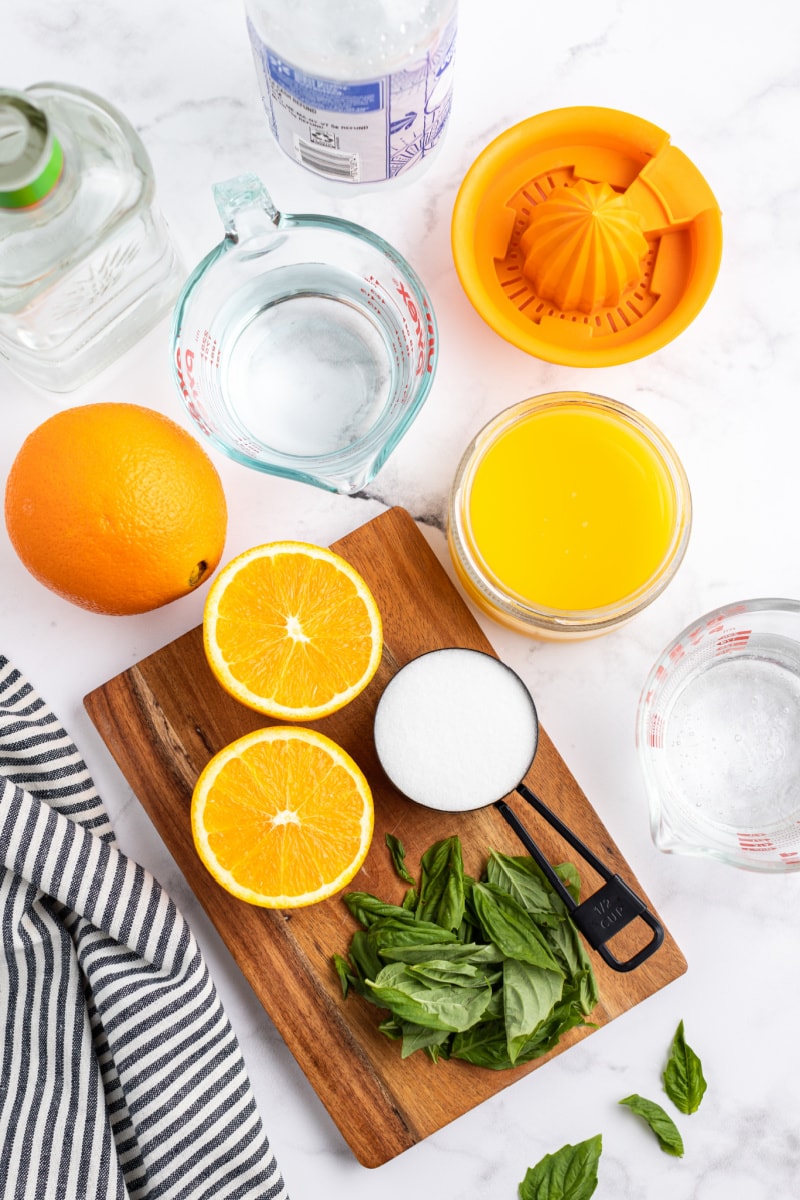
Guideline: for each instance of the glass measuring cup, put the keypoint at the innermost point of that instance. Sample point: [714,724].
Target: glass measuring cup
[303,346]
[718,736]
[457,730]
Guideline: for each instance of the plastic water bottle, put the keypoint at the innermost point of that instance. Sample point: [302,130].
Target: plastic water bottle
[359,91]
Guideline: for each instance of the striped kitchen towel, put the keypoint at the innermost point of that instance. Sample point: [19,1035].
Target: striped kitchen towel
[120,1075]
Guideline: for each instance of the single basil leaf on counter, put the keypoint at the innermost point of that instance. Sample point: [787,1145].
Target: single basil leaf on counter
[436,1007]
[683,1075]
[506,923]
[529,996]
[662,1125]
[568,1174]
[398,853]
[441,885]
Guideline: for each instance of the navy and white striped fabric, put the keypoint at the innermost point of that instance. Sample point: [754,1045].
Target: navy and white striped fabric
[120,1076]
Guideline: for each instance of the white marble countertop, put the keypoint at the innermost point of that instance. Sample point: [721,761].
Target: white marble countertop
[724,83]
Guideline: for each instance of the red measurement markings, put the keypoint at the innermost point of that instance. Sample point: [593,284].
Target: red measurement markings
[733,641]
[423,328]
[755,843]
[655,731]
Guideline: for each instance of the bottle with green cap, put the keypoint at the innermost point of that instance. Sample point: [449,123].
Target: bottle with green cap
[87,266]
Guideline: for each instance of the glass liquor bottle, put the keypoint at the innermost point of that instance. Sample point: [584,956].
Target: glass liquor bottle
[86,262]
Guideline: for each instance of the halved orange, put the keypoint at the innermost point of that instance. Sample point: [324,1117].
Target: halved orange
[282,817]
[292,630]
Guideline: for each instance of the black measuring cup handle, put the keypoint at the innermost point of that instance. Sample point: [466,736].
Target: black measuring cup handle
[608,910]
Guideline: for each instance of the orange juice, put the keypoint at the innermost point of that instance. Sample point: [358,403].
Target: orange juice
[568,505]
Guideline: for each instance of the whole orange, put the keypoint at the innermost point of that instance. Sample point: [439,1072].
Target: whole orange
[115,507]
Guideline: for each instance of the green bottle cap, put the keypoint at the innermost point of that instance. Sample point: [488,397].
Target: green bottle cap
[31,158]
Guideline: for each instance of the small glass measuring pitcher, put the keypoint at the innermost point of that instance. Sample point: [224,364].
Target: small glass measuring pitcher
[303,346]
[718,734]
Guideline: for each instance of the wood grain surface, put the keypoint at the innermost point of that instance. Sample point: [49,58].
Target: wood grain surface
[165,717]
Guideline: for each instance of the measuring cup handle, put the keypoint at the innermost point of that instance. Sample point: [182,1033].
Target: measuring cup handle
[610,908]
[606,912]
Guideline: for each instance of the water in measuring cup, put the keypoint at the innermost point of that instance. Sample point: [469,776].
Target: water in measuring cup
[732,737]
[312,367]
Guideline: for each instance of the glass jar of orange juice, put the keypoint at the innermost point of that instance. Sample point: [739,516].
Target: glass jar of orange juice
[569,513]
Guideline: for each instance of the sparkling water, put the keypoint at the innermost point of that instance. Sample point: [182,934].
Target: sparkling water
[732,731]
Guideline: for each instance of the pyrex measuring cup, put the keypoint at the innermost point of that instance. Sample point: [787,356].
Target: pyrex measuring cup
[303,346]
[718,734]
[457,730]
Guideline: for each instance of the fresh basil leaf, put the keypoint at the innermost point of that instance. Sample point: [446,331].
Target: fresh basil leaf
[529,995]
[662,1125]
[398,853]
[506,923]
[570,952]
[683,1075]
[483,1045]
[434,1006]
[588,995]
[344,970]
[454,974]
[366,908]
[436,1052]
[495,1007]
[390,931]
[568,1174]
[441,885]
[565,1016]
[568,874]
[443,951]
[364,955]
[417,1037]
[514,875]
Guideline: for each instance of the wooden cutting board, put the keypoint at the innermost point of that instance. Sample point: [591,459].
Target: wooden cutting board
[165,717]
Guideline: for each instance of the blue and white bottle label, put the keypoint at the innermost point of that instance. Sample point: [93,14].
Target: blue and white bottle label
[361,132]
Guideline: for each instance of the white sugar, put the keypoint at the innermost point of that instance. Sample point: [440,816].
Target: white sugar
[455,730]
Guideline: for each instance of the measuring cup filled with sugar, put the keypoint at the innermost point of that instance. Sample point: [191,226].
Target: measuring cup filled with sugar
[718,735]
[303,346]
[457,730]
